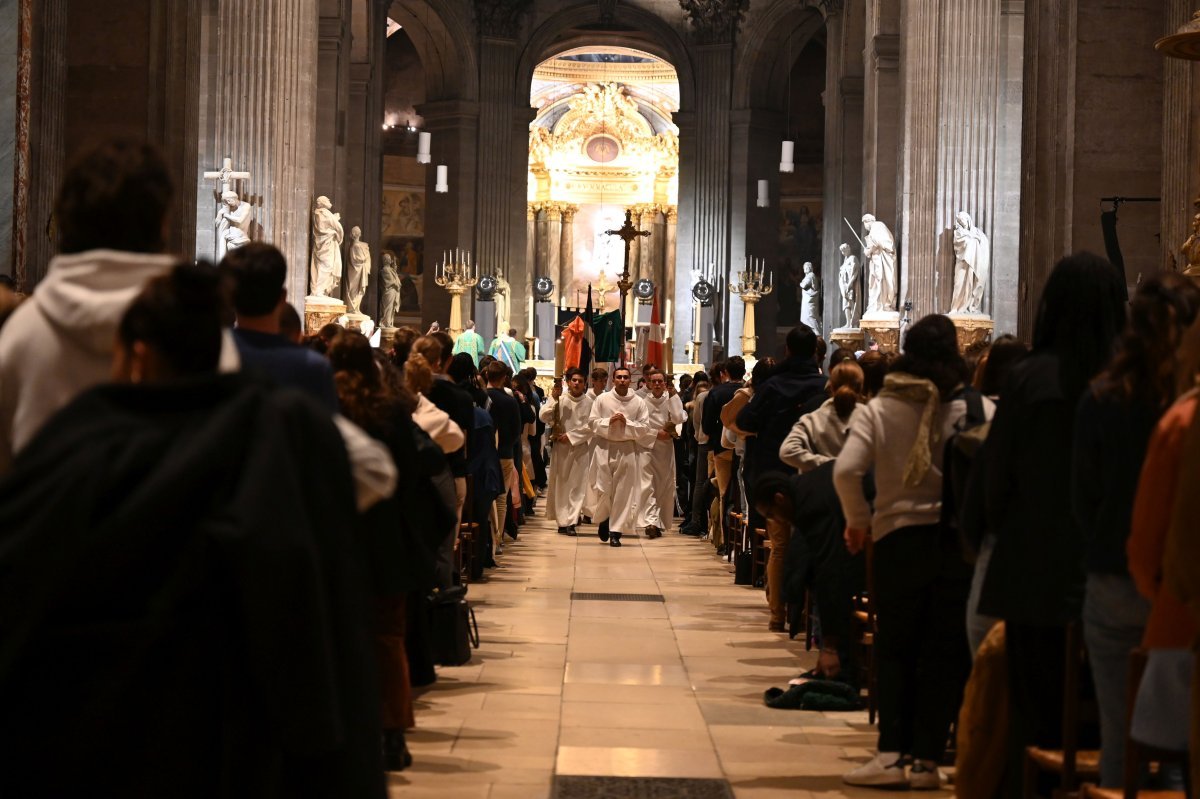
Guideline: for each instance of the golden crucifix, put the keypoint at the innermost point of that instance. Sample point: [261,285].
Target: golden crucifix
[627,233]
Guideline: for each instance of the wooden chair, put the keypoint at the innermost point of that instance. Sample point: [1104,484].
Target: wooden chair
[1138,756]
[1070,764]
[760,553]
[864,615]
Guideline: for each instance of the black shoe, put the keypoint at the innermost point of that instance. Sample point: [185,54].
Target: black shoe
[692,531]
[564,531]
[396,756]
[653,532]
[615,542]
[603,531]
[572,530]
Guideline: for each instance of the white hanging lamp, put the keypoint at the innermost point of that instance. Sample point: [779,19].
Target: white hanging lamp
[787,157]
[423,139]
[763,196]
[443,179]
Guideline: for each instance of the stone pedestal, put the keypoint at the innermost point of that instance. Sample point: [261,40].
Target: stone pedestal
[387,335]
[358,321]
[973,330]
[848,338]
[321,311]
[884,328]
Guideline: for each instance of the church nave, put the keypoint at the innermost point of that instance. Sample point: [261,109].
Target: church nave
[624,688]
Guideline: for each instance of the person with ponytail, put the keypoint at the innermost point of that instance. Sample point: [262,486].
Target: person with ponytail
[818,436]
[921,580]
[183,587]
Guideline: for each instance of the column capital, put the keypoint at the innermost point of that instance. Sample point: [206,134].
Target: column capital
[714,21]
[500,19]
[443,114]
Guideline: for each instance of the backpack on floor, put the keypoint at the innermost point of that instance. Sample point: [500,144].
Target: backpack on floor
[453,629]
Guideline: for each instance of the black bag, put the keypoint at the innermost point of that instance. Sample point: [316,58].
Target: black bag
[958,456]
[453,629]
[743,566]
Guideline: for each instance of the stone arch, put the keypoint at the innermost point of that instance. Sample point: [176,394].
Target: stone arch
[443,41]
[662,41]
[760,73]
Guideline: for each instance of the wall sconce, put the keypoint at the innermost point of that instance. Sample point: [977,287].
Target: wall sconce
[443,179]
[787,161]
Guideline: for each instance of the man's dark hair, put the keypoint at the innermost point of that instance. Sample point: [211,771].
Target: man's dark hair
[512,331]
[624,369]
[496,372]
[599,373]
[767,486]
[178,315]
[256,273]
[735,367]
[447,343]
[685,380]
[718,368]
[801,342]
[575,370]
[290,324]
[115,196]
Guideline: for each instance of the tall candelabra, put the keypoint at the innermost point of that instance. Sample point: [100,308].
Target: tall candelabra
[457,275]
[753,283]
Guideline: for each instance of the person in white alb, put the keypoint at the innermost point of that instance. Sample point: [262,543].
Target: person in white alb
[658,479]
[566,416]
[620,436]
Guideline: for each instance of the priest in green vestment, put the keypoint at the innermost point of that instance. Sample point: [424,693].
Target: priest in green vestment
[506,348]
[470,342]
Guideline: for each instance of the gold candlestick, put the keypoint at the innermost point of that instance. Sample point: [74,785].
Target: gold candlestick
[752,285]
[456,274]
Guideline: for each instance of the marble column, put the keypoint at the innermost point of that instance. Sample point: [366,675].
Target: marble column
[541,260]
[554,234]
[648,264]
[566,260]
[494,197]
[671,225]
[686,257]
[47,113]
[450,217]
[333,90]
[260,85]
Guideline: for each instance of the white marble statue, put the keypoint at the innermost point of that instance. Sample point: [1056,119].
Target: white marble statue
[848,285]
[391,290]
[810,306]
[325,266]
[233,223]
[502,299]
[972,263]
[879,253]
[359,270]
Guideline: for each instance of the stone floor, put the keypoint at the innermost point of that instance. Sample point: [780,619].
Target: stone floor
[623,688]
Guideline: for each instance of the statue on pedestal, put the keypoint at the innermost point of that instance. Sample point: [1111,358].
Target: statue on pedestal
[233,223]
[810,306]
[325,266]
[972,263]
[359,272]
[879,253]
[391,290]
[1191,248]
[848,276]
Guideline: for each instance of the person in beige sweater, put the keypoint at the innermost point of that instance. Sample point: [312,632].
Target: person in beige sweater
[921,581]
[819,436]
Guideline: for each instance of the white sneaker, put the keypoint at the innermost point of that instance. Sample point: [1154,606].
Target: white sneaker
[886,770]
[924,776]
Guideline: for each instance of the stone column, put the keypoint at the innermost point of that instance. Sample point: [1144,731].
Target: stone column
[531,215]
[554,234]
[364,156]
[754,232]
[494,198]
[47,113]
[686,257]
[881,111]
[648,264]
[670,235]
[1178,167]
[16,57]
[333,89]
[259,80]
[541,260]
[566,260]
[450,217]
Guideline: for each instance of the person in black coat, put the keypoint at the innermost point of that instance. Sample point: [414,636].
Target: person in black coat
[1035,578]
[183,609]
[770,415]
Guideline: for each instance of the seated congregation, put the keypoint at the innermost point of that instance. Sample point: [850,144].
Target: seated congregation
[231,552]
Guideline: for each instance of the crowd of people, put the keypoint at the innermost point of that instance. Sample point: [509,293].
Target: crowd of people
[219,537]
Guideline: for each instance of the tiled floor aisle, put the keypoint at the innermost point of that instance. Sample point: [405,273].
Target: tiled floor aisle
[668,689]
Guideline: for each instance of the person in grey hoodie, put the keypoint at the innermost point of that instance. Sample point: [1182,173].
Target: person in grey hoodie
[111,215]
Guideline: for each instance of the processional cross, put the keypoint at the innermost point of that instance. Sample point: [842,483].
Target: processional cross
[627,233]
[226,175]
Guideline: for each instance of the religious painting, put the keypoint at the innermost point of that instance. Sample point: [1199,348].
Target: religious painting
[409,252]
[800,221]
[403,212]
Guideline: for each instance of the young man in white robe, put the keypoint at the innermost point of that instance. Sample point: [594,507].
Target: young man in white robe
[658,479]
[621,435]
[566,417]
